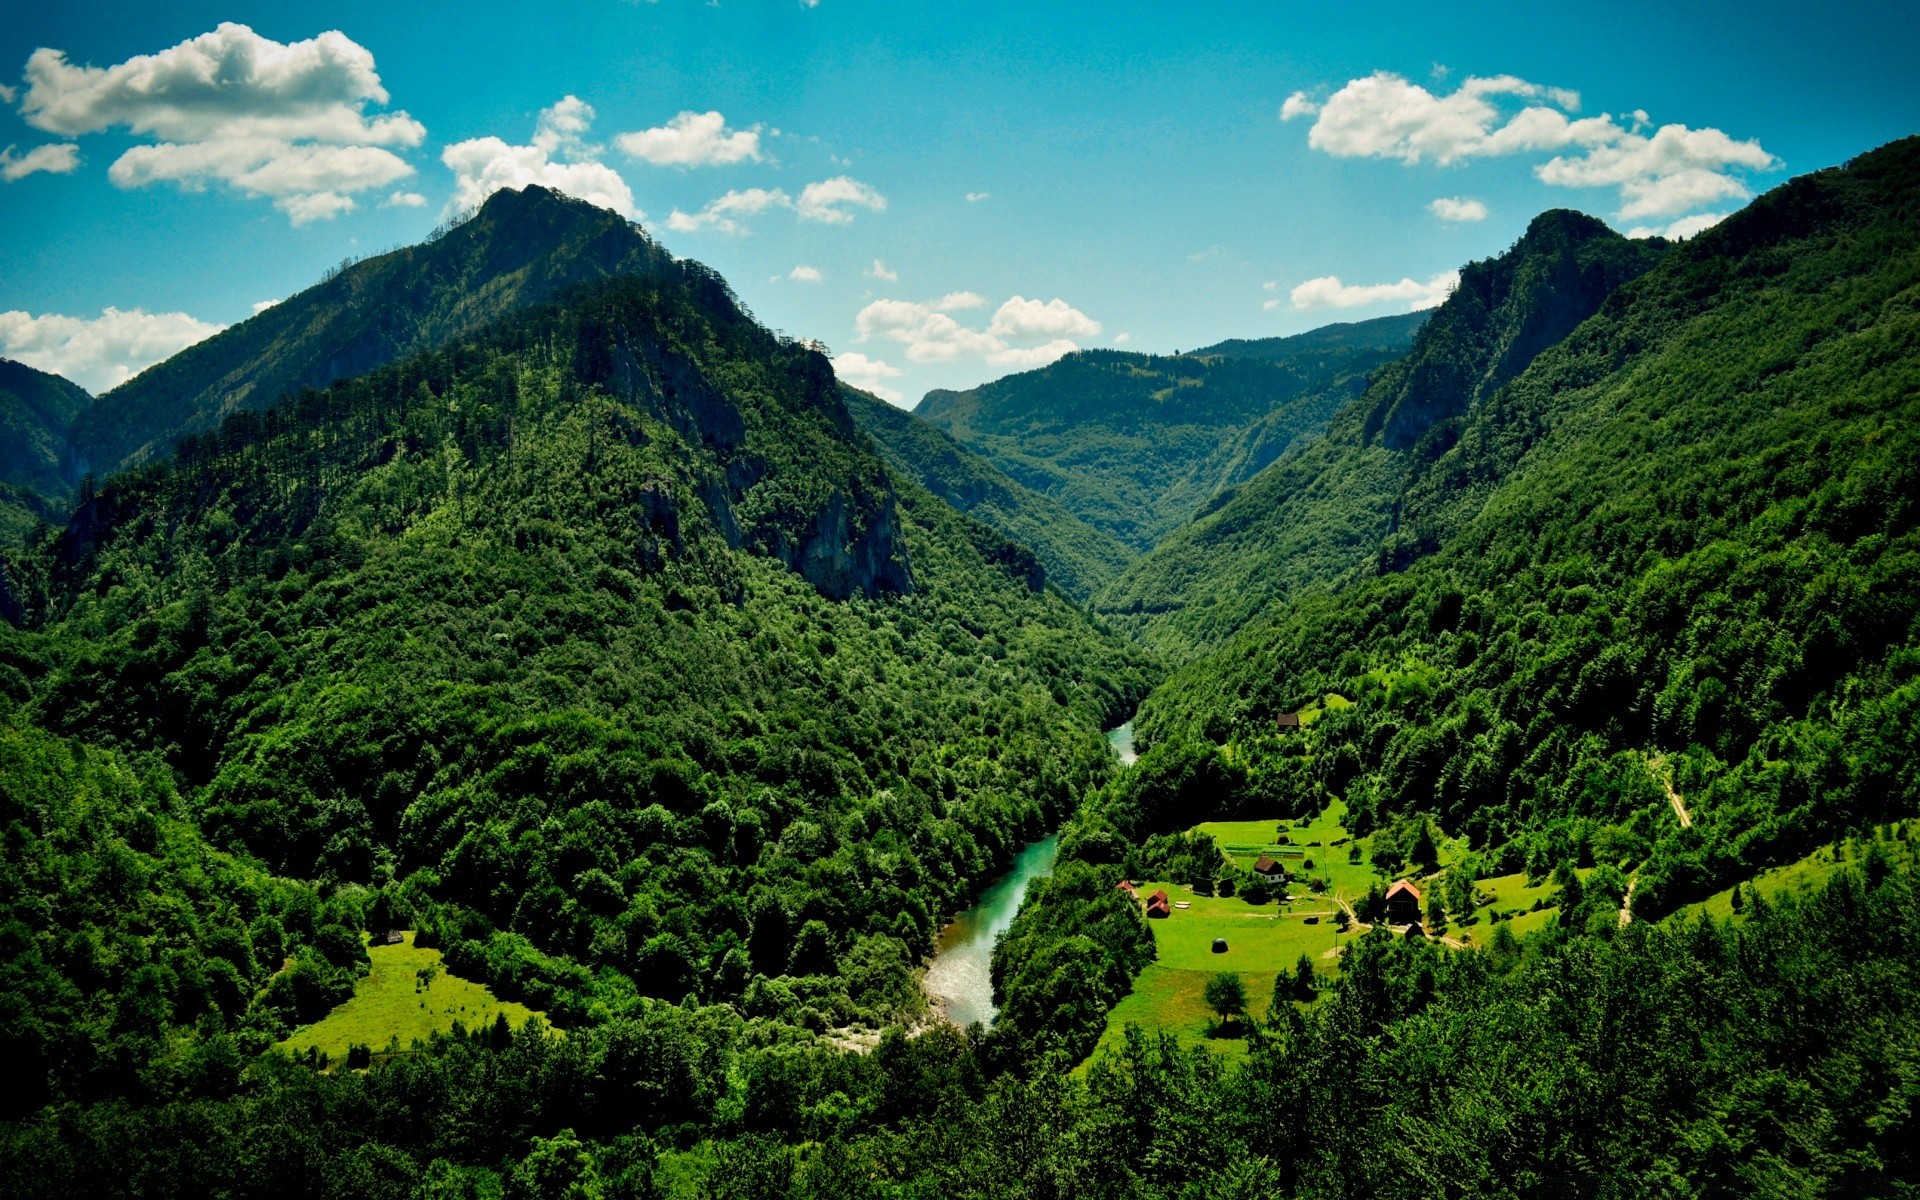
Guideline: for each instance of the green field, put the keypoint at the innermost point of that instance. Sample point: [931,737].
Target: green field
[1265,940]
[392,1005]
[1808,874]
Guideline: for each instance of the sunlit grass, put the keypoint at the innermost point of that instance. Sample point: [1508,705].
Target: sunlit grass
[393,1005]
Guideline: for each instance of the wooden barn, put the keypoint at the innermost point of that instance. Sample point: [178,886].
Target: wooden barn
[1269,866]
[1403,904]
[1287,721]
[1157,905]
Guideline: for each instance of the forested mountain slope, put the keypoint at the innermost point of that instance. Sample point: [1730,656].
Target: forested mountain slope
[1135,444]
[1677,552]
[1077,557]
[1324,511]
[521,248]
[36,410]
[599,646]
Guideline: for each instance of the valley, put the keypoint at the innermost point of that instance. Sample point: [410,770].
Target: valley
[1467,752]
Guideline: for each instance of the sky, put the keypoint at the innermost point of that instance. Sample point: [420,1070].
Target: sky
[942,194]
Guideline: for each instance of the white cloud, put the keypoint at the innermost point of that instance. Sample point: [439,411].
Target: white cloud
[1457,208]
[977,197]
[99,352]
[1298,105]
[1030,319]
[879,271]
[55,158]
[284,121]
[1122,338]
[1680,230]
[930,333]
[1386,116]
[7,94]
[406,200]
[485,165]
[692,139]
[1271,285]
[1328,292]
[825,201]
[719,215]
[866,373]
[805,274]
[260,306]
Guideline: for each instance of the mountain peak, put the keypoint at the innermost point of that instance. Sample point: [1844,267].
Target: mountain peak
[521,248]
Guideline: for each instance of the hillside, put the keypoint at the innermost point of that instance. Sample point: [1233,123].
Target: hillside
[1324,511]
[1135,444]
[1077,557]
[521,248]
[598,646]
[36,410]
[1675,553]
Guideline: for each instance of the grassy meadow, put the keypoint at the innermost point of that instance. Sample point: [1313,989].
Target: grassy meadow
[407,996]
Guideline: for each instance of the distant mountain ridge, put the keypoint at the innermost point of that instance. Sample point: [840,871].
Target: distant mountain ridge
[520,248]
[37,409]
[1075,555]
[1334,506]
[1135,444]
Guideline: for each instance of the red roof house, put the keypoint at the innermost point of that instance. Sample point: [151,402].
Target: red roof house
[1157,905]
[1403,904]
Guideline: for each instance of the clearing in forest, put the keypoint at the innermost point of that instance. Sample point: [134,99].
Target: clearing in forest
[408,995]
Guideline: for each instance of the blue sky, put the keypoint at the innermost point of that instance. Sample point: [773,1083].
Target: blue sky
[941,193]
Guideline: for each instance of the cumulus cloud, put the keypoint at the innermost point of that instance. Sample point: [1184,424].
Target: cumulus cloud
[1680,230]
[692,139]
[57,158]
[99,352]
[1663,174]
[558,158]
[260,306]
[1456,208]
[977,197]
[930,333]
[1122,338]
[866,373]
[282,121]
[1328,292]
[821,201]
[805,274]
[879,271]
[406,200]
[828,200]
[1029,319]
[722,215]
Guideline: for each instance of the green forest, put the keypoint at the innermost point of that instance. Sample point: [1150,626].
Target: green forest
[544,606]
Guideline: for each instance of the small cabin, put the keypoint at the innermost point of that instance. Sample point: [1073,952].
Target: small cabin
[1157,905]
[1269,866]
[392,937]
[1127,886]
[1286,721]
[1403,904]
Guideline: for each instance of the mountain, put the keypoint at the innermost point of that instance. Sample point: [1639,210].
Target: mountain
[1342,336]
[1135,444]
[597,645]
[36,410]
[1670,567]
[1331,507]
[521,248]
[1076,556]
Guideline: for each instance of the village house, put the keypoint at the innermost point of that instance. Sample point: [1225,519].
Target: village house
[1157,905]
[1286,721]
[1269,866]
[1403,904]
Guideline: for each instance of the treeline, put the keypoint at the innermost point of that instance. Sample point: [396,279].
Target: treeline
[1695,1057]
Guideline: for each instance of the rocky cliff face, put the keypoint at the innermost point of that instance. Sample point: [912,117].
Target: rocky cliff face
[1504,313]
